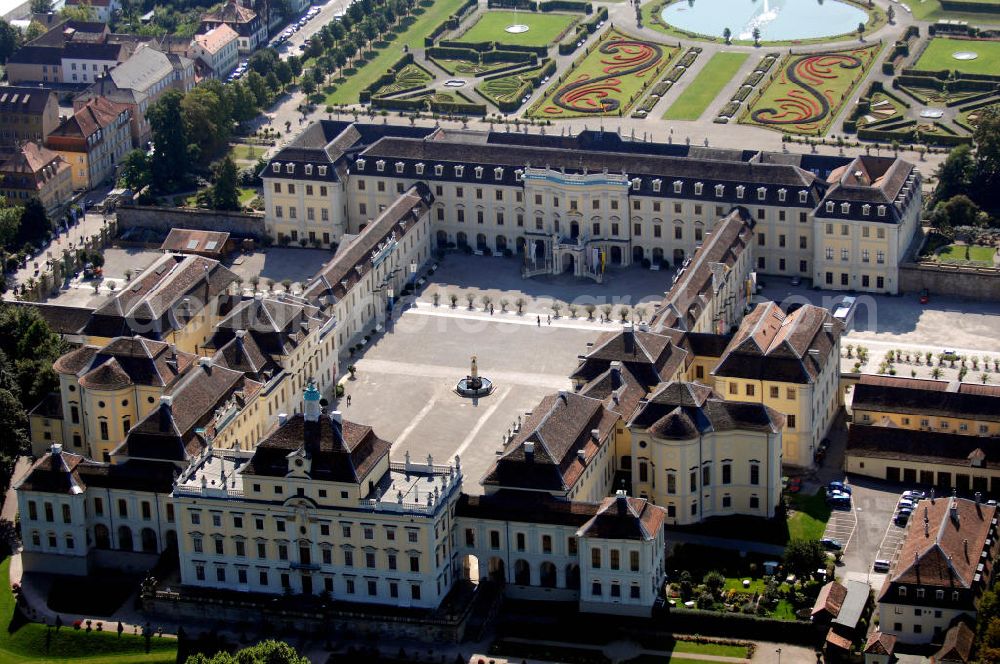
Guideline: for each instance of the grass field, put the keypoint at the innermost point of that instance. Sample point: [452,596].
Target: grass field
[930,10]
[808,91]
[937,56]
[718,649]
[347,92]
[543,29]
[25,643]
[810,517]
[608,80]
[244,152]
[977,254]
[701,91]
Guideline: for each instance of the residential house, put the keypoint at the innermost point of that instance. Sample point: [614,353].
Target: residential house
[27,114]
[216,51]
[252,30]
[93,141]
[33,171]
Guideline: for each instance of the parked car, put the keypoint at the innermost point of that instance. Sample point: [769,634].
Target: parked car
[844,311]
[839,486]
[914,495]
[831,543]
[794,485]
[902,516]
[840,501]
[905,504]
[881,566]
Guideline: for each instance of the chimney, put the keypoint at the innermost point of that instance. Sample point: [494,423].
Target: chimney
[337,417]
[240,336]
[166,412]
[814,352]
[529,450]
[965,546]
[979,497]
[621,500]
[595,434]
[282,418]
[616,365]
[953,509]
[828,327]
[56,449]
[581,455]
[206,363]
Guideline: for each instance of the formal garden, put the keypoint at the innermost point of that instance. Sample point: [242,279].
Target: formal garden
[807,91]
[607,79]
[965,56]
[519,28]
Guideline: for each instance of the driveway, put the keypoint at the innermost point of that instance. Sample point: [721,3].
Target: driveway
[874,506]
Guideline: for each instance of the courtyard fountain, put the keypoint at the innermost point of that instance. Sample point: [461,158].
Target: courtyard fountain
[474,386]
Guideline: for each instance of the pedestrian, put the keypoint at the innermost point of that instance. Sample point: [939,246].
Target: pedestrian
[348,400]
[539,320]
[491,310]
[548,319]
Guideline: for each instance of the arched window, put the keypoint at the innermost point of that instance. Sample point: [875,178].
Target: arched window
[102,538]
[125,538]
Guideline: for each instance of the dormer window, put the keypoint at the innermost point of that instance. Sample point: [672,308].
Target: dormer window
[829,206]
[803,196]
[657,184]
[719,190]
[380,165]
[902,591]
[289,168]
[438,169]
[275,167]
[498,173]
[845,208]
[479,172]
[677,186]
[459,171]
[399,166]
[739,191]
[697,188]
[360,163]
[782,194]
[519,175]
[322,171]
[636,183]
[309,169]
[881,210]
[866,209]
[761,193]
[419,168]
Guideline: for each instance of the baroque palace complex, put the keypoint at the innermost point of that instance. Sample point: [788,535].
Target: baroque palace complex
[193,417]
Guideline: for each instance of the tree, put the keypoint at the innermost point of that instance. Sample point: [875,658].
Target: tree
[35,222]
[956,211]
[986,182]
[804,557]
[727,35]
[208,117]
[41,6]
[135,172]
[265,652]
[34,31]
[10,40]
[756,36]
[954,175]
[170,142]
[225,195]
[81,12]
[861,31]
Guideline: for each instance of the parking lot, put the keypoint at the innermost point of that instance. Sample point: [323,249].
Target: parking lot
[841,527]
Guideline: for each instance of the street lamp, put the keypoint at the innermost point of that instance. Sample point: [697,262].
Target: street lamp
[778,651]
[413,272]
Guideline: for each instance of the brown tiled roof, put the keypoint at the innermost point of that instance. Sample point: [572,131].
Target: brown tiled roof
[838,640]
[829,600]
[880,643]
[946,552]
[682,410]
[153,301]
[900,381]
[926,397]
[936,447]
[97,114]
[31,167]
[231,12]
[242,353]
[125,361]
[977,388]
[773,345]
[278,324]
[556,431]
[620,517]
[352,262]
[651,357]
[618,388]
[69,473]
[696,284]
[341,452]
[75,360]
[171,432]
[108,375]
[25,100]
[527,507]
[55,473]
[957,645]
[188,241]
[62,319]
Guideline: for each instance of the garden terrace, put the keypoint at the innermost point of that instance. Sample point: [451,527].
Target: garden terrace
[939,55]
[607,80]
[702,91]
[508,91]
[809,89]
[543,29]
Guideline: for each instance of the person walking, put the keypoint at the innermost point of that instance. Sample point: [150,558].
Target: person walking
[348,400]
[539,318]
[548,319]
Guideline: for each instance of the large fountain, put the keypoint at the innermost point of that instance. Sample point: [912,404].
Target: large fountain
[474,385]
[777,20]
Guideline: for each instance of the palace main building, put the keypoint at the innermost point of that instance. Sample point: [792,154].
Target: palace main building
[581,203]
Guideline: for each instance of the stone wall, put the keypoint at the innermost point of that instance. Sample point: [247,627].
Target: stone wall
[978,283]
[162,219]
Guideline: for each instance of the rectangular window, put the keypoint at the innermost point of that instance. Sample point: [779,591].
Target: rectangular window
[754,473]
[633,561]
[790,420]
[595,558]
[727,473]
[615,559]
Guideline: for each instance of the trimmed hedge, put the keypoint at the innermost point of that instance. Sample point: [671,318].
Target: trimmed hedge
[458,43]
[566,6]
[388,77]
[512,4]
[741,626]
[452,53]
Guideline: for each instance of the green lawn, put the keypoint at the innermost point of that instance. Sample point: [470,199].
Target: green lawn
[608,80]
[701,91]
[543,29]
[736,583]
[694,648]
[976,253]
[784,610]
[25,643]
[938,56]
[409,77]
[244,152]
[810,516]
[347,92]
